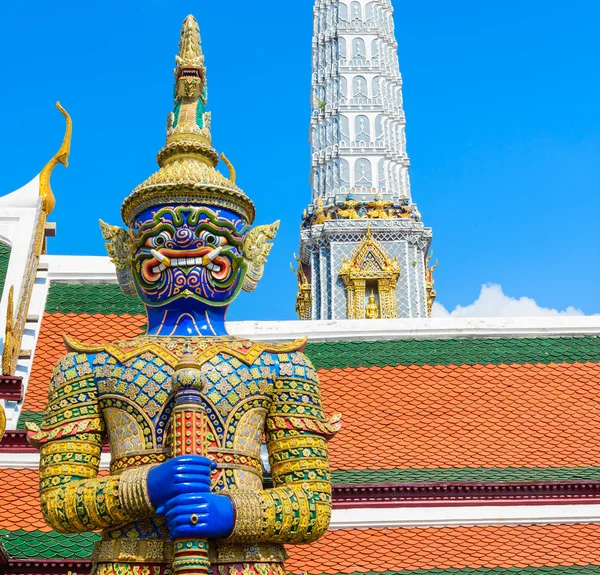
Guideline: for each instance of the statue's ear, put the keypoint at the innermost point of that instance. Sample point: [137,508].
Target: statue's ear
[119,247]
[256,250]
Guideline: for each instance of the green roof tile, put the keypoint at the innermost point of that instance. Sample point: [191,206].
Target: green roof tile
[4,259]
[465,474]
[91,298]
[41,545]
[31,417]
[22,544]
[343,354]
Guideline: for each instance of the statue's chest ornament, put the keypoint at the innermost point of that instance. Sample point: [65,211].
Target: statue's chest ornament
[171,349]
[135,390]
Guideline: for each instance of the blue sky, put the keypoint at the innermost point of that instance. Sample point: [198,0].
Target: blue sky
[502,104]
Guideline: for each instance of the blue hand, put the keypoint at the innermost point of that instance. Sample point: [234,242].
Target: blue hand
[202,515]
[186,474]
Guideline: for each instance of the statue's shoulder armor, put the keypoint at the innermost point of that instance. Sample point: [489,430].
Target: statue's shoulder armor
[170,349]
[72,407]
[75,346]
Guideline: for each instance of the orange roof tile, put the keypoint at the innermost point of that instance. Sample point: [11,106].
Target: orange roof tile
[416,416]
[20,501]
[361,550]
[465,416]
[51,347]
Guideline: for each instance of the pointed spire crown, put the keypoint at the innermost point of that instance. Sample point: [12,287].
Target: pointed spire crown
[187,161]
[188,125]
[190,45]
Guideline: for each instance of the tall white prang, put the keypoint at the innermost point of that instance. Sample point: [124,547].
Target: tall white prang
[363,249]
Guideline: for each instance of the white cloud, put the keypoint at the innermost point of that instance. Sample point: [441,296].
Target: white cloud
[493,302]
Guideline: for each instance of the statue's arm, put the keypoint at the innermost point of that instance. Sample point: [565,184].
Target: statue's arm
[74,499]
[298,508]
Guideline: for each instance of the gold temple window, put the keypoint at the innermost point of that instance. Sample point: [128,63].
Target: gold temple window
[370,278]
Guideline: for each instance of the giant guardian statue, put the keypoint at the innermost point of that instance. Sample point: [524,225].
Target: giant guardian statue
[186,407]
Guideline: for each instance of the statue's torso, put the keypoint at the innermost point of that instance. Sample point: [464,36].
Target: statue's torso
[136,399]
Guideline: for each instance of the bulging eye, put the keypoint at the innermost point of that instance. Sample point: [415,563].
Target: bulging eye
[159,241]
[212,239]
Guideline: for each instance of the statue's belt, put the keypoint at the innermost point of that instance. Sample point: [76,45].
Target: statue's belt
[226,459]
[161,551]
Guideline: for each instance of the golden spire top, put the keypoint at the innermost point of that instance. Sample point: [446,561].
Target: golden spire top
[188,125]
[188,161]
[190,49]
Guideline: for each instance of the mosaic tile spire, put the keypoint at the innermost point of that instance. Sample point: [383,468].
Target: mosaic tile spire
[360,173]
[358,125]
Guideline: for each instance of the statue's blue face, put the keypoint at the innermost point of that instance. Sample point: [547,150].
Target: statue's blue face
[188,252]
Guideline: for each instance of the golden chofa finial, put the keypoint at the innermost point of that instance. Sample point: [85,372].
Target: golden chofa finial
[61,157]
[428,259]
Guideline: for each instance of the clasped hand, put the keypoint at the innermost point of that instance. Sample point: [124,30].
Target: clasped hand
[180,490]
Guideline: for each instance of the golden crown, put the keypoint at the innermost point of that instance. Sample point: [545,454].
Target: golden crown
[187,173]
